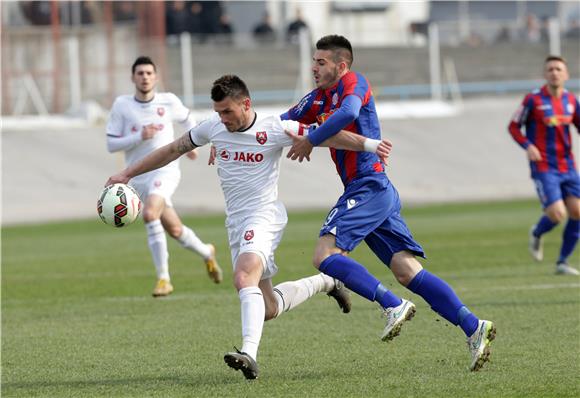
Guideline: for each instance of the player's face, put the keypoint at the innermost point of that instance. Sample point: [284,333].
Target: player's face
[555,73]
[326,73]
[234,114]
[144,78]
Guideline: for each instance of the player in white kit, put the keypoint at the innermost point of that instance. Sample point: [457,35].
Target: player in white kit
[139,124]
[249,148]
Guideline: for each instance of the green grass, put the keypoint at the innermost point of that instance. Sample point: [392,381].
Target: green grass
[78,319]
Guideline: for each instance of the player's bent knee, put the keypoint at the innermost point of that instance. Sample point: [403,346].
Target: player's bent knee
[174,231]
[405,267]
[319,258]
[557,216]
[150,215]
[556,212]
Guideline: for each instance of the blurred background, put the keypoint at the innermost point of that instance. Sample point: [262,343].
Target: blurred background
[447,76]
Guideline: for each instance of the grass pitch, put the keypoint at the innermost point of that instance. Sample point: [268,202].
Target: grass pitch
[78,319]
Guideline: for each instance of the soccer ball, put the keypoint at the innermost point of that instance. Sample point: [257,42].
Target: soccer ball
[119,205]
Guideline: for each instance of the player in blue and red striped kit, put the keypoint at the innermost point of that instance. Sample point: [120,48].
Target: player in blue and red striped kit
[547,114]
[369,209]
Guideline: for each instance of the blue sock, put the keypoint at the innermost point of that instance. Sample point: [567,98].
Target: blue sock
[443,300]
[544,225]
[569,239]
[358,279]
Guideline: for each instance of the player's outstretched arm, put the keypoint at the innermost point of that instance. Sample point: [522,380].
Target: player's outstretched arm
[154,160]
[352,142]
[355,142]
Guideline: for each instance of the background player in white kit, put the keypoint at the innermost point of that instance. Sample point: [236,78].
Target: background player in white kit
[139,124]
[249,149]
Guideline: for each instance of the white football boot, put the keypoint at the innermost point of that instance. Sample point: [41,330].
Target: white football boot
[396,316]
[563,268]
[479,344]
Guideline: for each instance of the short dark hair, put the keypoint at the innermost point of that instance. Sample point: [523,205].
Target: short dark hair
[340,47]
[142,60]
[229,86]
[550,58]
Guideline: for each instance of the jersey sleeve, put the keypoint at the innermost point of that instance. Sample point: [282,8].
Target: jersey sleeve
[180,113]
[279,131]
[303,111]
[200,134]
[115,125]
[519,119]
[357,84]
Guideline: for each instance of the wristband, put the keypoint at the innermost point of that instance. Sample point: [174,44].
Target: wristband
[371,145]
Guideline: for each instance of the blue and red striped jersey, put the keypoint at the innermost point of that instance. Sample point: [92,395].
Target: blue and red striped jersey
[318,105]
[547,121]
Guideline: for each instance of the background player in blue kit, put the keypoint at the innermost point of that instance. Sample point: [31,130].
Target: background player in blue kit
[547,114]
[370,208]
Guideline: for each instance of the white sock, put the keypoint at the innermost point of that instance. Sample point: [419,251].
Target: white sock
[253,313]
[291,294]
[190,241]
[157,241]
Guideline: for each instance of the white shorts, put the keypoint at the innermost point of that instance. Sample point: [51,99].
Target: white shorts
[256,235]
[157,182]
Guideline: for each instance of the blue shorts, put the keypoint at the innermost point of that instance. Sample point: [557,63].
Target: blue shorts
[553,186]
[371,210]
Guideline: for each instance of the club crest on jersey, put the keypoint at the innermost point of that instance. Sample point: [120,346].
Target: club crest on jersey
[248,235]
[261,137]
[225,155]
[570,108]
[335,99]
[157,183]
[323,116]
[161,111]
[557,120]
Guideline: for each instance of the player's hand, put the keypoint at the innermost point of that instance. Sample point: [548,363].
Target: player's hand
[149,131]
[192,155]
[384,150]
[301,147]
[212,156]
[120,178]
[534,154]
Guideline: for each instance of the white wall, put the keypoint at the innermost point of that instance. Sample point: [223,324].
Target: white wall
[390,27]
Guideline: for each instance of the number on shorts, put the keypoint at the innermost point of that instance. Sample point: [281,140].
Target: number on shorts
[331,216]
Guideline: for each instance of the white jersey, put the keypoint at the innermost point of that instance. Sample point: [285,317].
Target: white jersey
[128,116]
[249,163]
